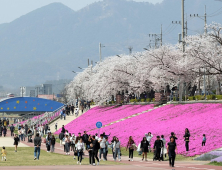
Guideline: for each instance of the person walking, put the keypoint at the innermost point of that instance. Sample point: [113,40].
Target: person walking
[157,147]
[204,140]
[48,142]
[26,129]
[12,129]
[96,147]
[61,114]
[130,147]
[37,146]
[46,128]
[80,149]
[72,142]
[53,141]
[164,149]
[174,136]
[4,153]
[29,135]
[4,131]
[102,150]
[67,147]
[144,147]
[16,140]
[187,139]
[90,150]
[117,149]
[85,137]
[112,146]
[23,133]
[107,146]
[76,112]
[149,137]
[56,125]
[171,147]
[72,109]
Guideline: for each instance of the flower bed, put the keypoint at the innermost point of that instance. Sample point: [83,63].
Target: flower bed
[105,115]
[199,118]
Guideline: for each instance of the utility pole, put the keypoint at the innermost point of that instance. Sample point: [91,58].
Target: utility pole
[100,51]
[88,62]
[183,33]
[157,38]
[161,35]
[203,18]
[204,83]
[130,50]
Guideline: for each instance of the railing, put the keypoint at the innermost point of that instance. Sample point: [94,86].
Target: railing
[44,118]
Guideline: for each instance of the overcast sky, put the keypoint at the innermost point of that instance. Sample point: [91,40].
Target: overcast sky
[12,9]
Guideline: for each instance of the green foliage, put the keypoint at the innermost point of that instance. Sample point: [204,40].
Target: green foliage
[216,163]
[219,97]
[142,100]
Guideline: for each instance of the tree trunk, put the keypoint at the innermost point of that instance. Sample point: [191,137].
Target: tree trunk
[218,91]
[180,92]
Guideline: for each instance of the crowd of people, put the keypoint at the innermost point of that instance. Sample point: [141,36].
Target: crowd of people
[97,146]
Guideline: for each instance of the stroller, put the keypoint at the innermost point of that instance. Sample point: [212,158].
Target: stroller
[155,158]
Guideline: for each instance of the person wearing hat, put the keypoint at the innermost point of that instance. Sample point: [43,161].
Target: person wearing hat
[157,147]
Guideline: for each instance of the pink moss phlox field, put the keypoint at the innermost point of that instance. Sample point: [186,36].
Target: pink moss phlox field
[198,118]
[105,115]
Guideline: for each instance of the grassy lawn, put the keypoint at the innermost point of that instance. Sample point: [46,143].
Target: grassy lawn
[25,157]
[216,163]
[150,155]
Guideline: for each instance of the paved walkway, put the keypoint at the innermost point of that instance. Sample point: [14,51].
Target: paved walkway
[137,163]
[61,122]
[9,141]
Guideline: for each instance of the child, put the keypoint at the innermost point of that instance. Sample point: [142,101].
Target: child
[90,150]
[3,153]
[204,140]
[16,140]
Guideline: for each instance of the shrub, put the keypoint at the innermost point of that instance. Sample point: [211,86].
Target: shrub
[148,100]
[219,97]
[142,100]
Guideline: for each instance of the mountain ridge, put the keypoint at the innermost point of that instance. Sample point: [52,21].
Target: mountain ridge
[63,39]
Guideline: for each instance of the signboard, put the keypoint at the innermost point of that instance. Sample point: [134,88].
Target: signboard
[99,125]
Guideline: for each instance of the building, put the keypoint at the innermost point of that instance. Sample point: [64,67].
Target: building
[44,89]
[27,91]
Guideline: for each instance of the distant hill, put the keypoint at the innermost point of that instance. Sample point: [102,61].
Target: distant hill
[54,40]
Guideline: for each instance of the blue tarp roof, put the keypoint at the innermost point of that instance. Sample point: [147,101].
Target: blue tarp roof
[28,104]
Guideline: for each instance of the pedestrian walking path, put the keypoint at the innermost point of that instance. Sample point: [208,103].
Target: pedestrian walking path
[137,163]
[61,122]
[8,141]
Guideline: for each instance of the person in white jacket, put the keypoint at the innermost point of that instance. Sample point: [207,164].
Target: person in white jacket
[80,149]
[149,136]
[164,146]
